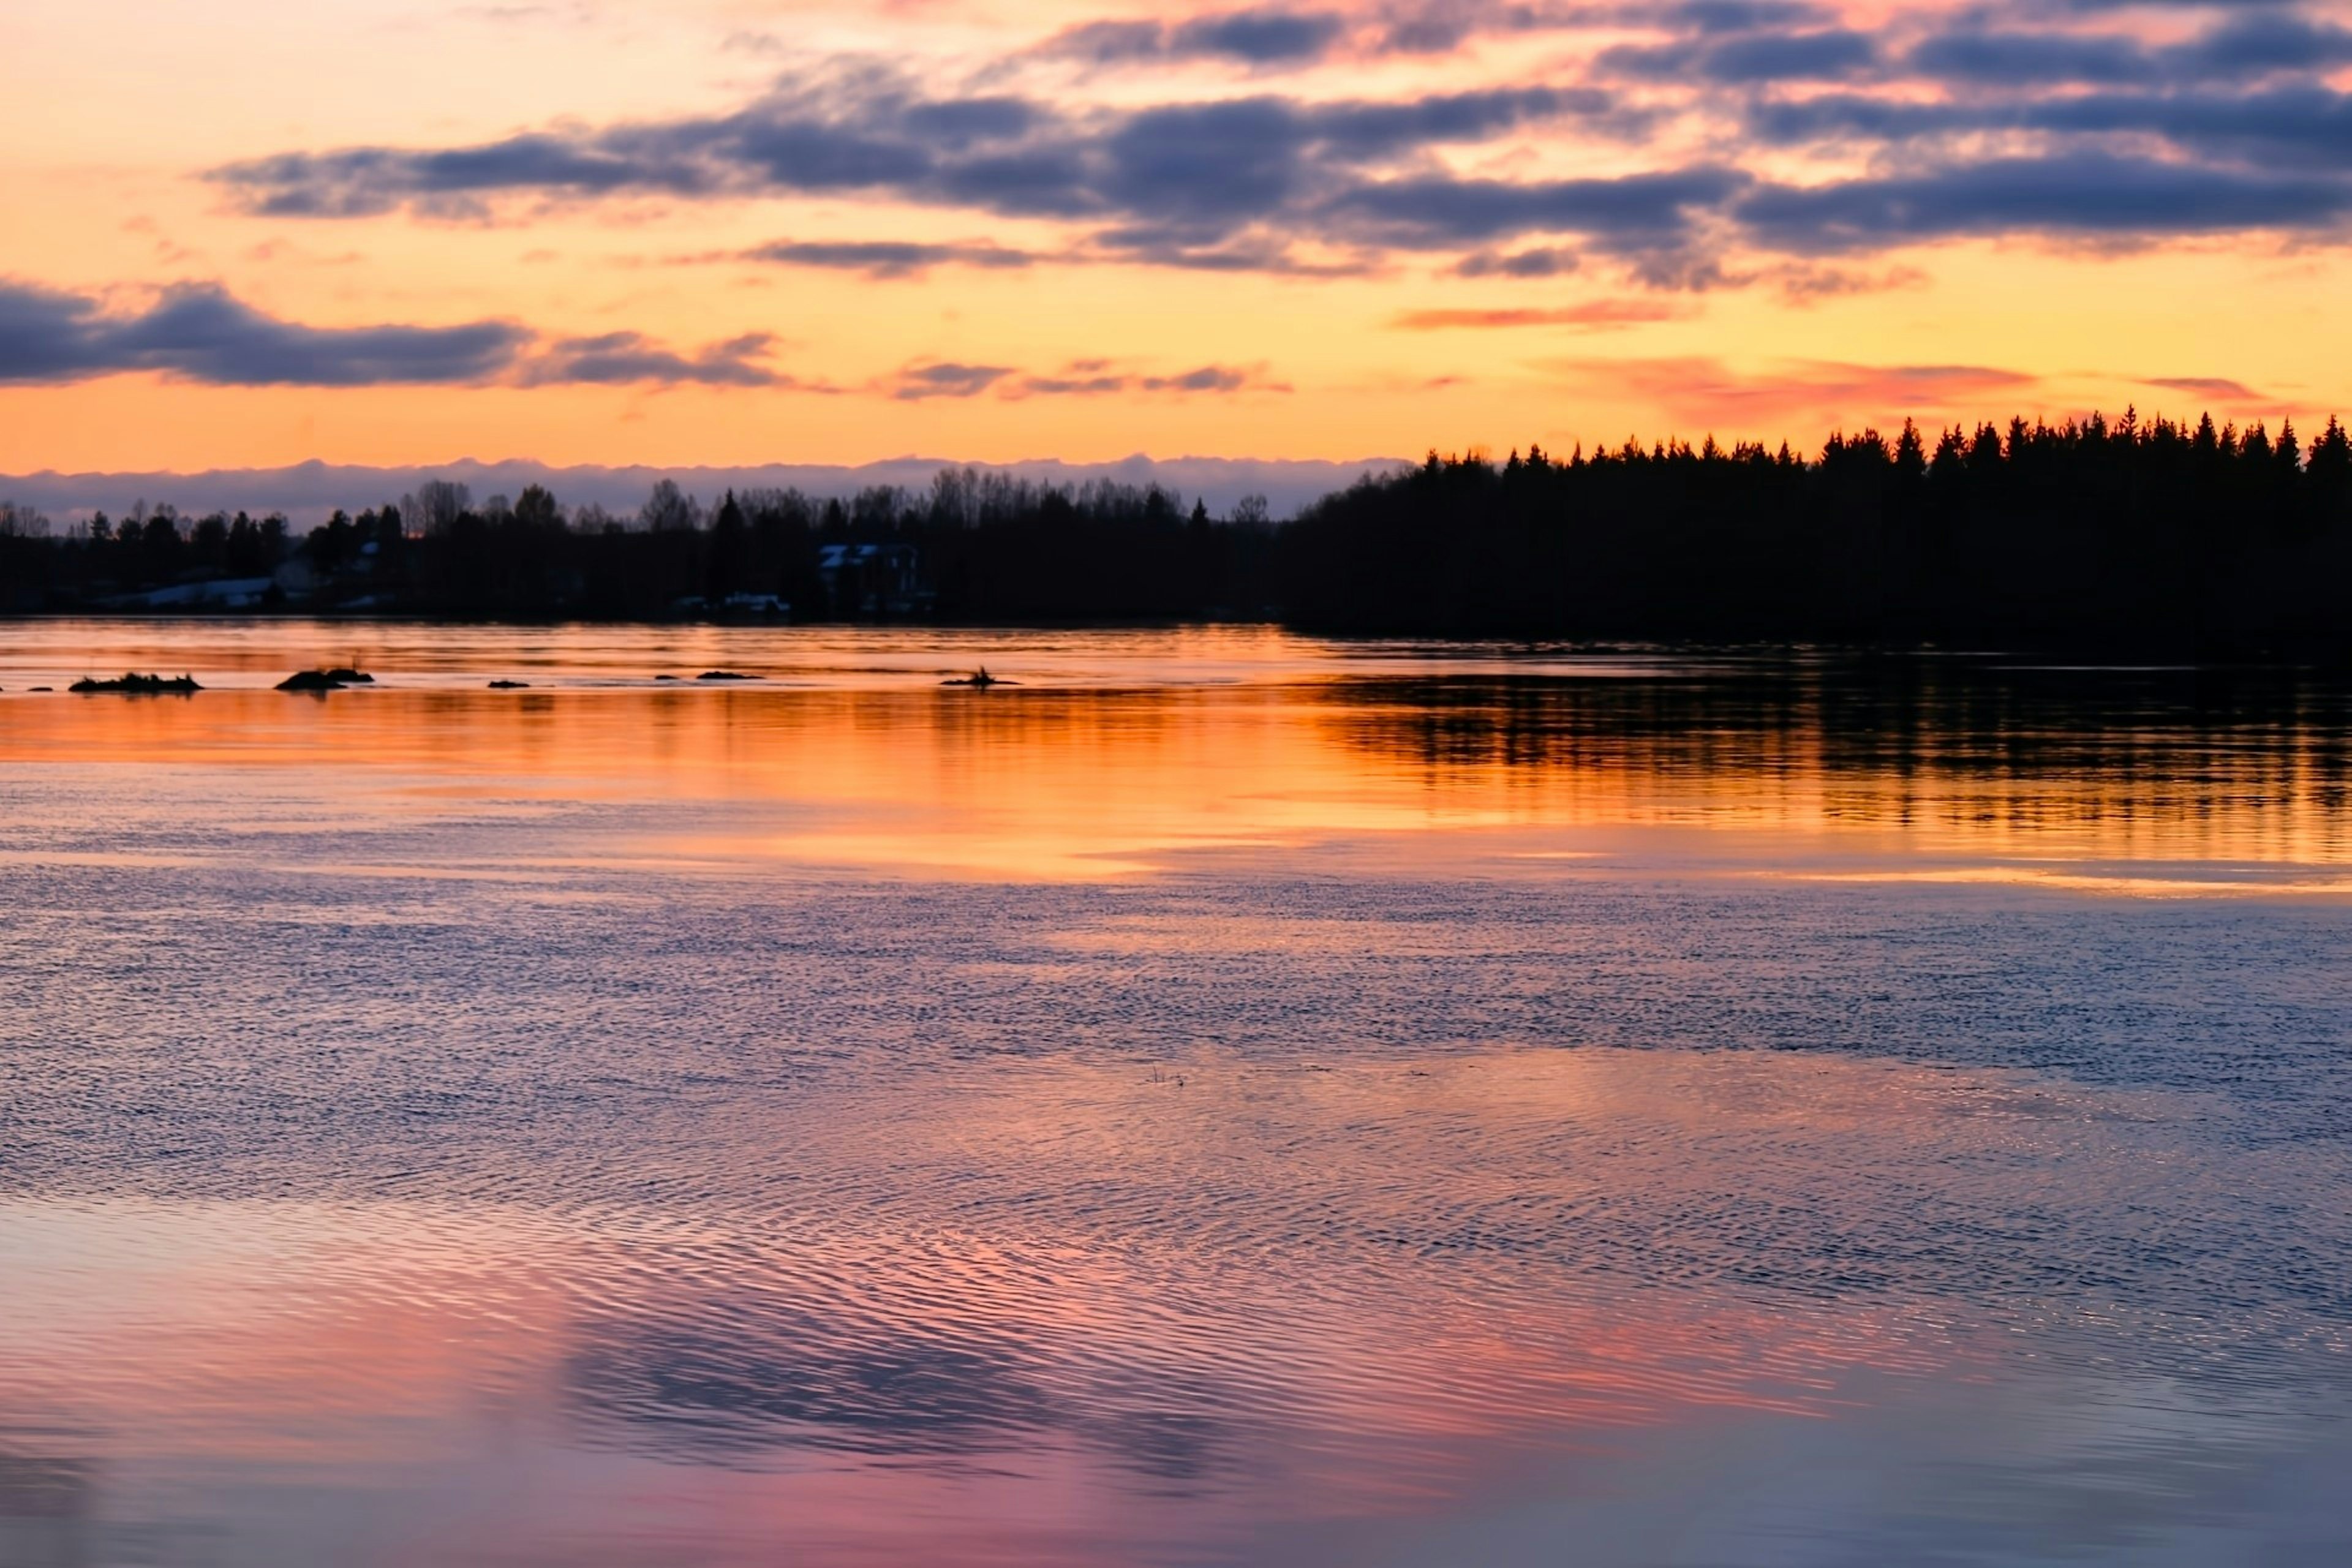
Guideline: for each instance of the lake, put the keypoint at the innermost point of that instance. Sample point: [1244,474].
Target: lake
[1227,1098]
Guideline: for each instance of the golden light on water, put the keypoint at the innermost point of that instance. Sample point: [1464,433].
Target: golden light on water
[834,760]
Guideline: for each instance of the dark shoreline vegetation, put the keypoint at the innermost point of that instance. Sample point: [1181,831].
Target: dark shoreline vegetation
[2091,534]
[133,684]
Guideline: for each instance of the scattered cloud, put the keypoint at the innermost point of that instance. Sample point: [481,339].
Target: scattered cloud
[1094,379]
[616,359]
[918,382]
[884,258]
[1079,378]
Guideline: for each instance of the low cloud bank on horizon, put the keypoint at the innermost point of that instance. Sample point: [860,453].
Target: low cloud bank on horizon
[307,492]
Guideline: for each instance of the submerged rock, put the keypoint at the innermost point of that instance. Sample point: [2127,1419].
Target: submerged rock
[509,685]
[724,675]
[177,685]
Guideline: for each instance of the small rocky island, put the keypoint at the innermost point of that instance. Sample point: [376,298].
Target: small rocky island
[142,685]
[333,680]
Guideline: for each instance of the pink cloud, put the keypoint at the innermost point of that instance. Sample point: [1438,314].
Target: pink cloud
[1593,315]
[1695,392]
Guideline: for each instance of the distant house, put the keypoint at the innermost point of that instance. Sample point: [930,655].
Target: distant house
[871,579]
[217,593]
[735,607]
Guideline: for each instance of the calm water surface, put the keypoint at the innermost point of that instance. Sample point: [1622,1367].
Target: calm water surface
[1225,1099]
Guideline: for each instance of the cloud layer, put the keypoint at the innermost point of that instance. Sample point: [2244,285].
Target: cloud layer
[1677,144]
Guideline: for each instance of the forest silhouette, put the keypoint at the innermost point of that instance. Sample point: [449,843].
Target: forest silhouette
[2087,533]
[2090,534]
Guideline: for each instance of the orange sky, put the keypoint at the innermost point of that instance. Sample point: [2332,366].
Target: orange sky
[1302,232]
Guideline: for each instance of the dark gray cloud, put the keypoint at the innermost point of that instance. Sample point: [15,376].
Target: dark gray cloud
[1197,174]
[1161,245]
[2087,196]
[1364,131]
[885,257]
[1427,26]
[1208,378]
[2303,127]
[1267,37]
[616,359]
[2029,58]
[1730,16]
[1540,261]
[1095,378]
[918,382]
[2309,128]
[2260,44]
[1208,167]
[1826,54]
[2266,41]
[1076,383]
[1837,116]
[362,182]
[1261,37]
[1634,212]
[2046,119]
[200,333]
[1083,378]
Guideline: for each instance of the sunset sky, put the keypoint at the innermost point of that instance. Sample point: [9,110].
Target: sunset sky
[721,231]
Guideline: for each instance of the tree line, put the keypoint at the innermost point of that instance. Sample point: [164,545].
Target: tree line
[972,547]
[2092,533]
[2089,532]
